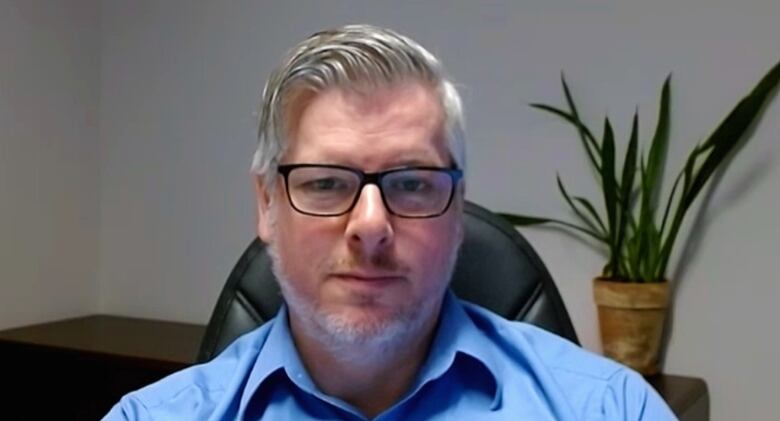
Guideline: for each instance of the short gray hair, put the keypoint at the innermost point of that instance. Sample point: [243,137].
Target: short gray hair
[351,56]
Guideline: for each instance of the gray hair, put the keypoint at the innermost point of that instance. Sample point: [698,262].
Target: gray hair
[353,56]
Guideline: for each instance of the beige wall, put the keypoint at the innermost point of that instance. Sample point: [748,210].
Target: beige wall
[49,81]
[178,85]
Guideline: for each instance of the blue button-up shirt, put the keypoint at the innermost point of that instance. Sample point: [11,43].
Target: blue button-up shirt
[480,366]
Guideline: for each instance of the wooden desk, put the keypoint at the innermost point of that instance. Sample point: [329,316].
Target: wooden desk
[78,368]
[687,396]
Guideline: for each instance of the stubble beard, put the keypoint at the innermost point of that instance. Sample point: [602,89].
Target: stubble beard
[367,339]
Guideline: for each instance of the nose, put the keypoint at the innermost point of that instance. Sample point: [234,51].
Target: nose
[369,229]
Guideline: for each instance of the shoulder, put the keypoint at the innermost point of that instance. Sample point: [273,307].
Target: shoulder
[551,351]
[195,392]
[590,385]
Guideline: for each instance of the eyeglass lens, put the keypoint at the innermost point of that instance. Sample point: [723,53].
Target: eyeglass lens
[407,192]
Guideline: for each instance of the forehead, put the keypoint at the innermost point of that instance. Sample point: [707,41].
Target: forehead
[385,126]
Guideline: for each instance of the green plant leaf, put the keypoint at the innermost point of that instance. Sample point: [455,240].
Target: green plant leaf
[639,250]
[523,220]
[722,141]
[581,128]
[640,240]
[685,174]
[592,211]
[728,134]
[609,188]
[626,186]
[632,254]
[658,147]
[653,254]
[576,209]
[651,177]
[588,141]
[659,266]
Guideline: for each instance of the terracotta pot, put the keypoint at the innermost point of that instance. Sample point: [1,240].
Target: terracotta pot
[631,320]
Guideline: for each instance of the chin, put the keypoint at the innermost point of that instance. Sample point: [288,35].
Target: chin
[355,330]
[365,325]
[366,318]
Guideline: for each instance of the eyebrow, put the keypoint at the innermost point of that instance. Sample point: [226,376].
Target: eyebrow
[400,162]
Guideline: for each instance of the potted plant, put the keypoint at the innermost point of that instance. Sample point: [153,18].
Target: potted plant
[637,235]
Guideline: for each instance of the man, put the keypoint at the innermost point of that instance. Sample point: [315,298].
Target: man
[360,200]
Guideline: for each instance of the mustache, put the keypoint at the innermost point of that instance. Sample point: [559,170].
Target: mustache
[384,262]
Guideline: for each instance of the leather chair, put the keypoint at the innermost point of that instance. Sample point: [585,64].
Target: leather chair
[496,269]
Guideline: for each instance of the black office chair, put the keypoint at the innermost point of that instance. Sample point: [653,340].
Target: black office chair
[496,269]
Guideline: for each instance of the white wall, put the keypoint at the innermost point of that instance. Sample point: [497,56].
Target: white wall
[49,81]
[179,83]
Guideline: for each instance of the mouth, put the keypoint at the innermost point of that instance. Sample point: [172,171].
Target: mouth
[368,277]
[368,281]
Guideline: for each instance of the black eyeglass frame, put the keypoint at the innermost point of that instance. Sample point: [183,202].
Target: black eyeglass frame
[374,178]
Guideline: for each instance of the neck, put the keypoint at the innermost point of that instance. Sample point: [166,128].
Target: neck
[371,376]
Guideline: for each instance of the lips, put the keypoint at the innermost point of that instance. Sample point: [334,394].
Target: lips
[368,277]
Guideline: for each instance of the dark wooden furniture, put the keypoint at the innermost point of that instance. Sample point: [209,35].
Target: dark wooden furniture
[687,396]
[77,369]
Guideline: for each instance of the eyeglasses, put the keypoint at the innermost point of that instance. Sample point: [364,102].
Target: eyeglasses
[333,190]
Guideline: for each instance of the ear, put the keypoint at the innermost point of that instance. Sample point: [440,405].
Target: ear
[263,200]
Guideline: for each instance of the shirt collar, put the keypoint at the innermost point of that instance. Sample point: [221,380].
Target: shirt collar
[277,353]
[456,334]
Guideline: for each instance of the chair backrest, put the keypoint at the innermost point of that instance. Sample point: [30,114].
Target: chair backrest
[496,269]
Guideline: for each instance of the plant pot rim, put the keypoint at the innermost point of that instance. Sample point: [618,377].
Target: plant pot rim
[631,295]
[628,281]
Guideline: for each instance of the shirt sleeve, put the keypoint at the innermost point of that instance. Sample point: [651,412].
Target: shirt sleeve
[629,397]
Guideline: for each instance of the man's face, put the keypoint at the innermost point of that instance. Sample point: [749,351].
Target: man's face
[367,273]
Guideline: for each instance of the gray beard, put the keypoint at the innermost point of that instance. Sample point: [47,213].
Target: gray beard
[365,342]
